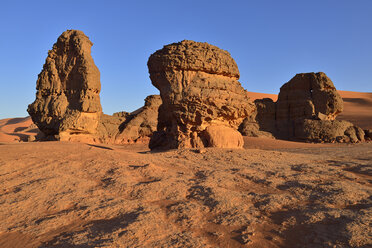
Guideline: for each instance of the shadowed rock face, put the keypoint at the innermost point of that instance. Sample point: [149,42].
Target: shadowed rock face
[67,99]
[199,88]
[307,96]
[306,110]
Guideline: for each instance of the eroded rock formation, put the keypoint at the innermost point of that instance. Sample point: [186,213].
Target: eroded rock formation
[141,124]
[200,92]
[67,99]
[128,128]
[306,96]
[306,110]
[67,105]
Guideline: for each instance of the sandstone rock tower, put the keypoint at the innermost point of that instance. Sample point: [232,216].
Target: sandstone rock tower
[67,100]
[202,101]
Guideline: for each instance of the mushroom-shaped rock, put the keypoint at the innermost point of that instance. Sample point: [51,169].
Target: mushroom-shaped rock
[67,100]
[199,87]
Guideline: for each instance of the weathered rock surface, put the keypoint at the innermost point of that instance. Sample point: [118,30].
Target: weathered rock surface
[223,137]
[67,105]
[328,131]
[306,109]
[141,124]
[306,96]
[127,128]
[262,122]
[199,87]
[67,100]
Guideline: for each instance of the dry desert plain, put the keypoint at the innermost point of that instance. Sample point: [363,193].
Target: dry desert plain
[272,193]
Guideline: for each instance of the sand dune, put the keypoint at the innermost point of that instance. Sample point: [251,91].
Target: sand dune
[17,129]
[256,95]
[358,108]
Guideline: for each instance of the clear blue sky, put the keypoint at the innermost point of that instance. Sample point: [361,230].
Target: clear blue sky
[270,40]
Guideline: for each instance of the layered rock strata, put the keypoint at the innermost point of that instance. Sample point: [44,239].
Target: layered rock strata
[200,93]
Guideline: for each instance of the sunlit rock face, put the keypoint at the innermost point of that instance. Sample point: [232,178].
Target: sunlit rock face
[200,94]
[67,100]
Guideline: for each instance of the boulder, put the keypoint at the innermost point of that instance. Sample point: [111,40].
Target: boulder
[328,131]
[252,129]
[223,137]
[199,87]
[128,128]
[67,100]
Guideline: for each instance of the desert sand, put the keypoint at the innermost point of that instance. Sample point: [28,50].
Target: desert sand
[271,193]
[358,108]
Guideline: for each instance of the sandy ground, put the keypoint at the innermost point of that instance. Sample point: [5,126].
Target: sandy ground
[56,194]
[272,193]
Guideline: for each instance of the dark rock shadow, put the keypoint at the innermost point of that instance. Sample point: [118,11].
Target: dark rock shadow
[99,146]
[359,101]
[320,234]
[16,120]
[94,229]
[202,194]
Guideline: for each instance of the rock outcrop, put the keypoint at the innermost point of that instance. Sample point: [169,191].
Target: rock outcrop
[328,131]
[200,92]
[306,110]
[67,100]
[128,128]
[306,96]
[67,105]
[141,124]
